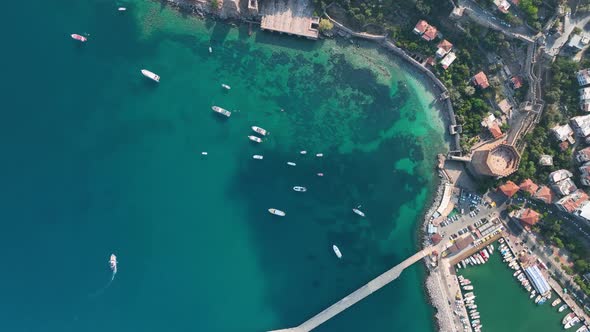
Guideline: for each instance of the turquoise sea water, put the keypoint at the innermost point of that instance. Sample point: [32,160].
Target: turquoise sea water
[97,159]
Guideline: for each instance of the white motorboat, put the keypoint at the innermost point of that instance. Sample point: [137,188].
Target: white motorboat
[204,153]
[257,156]
[259,130]
[303,152]
[210,49]
[113,263]
[121,9]
[300,189]
[572,322]
[290,163]
[562,308]
[319,154]
[255,139]
[277,212]
[320,174]
[79,38]
[337,251]
[221,111]
[225,86]
[150,75]
[556,302]
[359,212]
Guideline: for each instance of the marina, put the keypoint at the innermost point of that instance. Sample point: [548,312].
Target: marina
[495,282]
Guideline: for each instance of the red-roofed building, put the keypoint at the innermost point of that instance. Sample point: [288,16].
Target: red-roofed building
[430,33]
[436,238]
[444,47]
[544,194]
[572,201]
[509,188]
[529,186]
[564,145]
[430,61]
[481,80]
[528,216]
[421,27]
[516,82]
[495,130]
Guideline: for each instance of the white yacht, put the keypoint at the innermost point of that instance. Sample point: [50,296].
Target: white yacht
[259,130]
[255,139]
[150,75]
[221,111]
[277,212]
[359,212]
[337,251]
[300,189]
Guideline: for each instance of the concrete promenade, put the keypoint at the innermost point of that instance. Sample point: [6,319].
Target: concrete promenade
[359,294]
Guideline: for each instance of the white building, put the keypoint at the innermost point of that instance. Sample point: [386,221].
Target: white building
[581,124]
[562,133]
[448,60]
[583,77]
[559,175]
[583,211]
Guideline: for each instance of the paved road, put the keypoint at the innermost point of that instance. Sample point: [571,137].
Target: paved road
[484,17]
[554,44]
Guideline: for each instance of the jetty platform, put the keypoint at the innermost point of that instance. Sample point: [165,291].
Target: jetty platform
[293,17]
[366,290]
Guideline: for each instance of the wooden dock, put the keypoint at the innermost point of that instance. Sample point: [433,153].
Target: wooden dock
[293,17]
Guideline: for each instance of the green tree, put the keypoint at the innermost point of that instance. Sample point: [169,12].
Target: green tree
[326,25]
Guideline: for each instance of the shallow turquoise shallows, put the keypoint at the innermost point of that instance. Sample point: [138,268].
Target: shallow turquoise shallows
[97,159]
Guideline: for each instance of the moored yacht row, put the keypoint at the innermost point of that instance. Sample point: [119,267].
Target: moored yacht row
[470,306]
[478,258]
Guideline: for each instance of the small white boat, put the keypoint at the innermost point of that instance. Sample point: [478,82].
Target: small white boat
[303,152]
[300,189]
[255,139]
[277,212]
[204,153]
[359,212]
[225,86]
[337,251]
[79,37]
[150,75]
[290,163]
[320,174]
[556,302]
[572,323]
[562,308]
[210,49]
[221,111]
[113,263]
[259,130]
[319,154]
[257,156]
[582,328]
[121,9]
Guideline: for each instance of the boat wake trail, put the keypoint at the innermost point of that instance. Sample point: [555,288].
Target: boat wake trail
[104,288]
[113,266]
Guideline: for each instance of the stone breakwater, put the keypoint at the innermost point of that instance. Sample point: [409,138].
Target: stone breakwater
[438,299]
[434,287]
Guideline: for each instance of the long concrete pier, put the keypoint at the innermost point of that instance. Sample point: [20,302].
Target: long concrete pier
[359,294]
